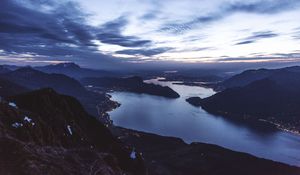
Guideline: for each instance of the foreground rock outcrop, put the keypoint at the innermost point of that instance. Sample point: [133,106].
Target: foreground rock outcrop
[42,132]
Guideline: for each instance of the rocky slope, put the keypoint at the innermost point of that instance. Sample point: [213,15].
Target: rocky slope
[42,132]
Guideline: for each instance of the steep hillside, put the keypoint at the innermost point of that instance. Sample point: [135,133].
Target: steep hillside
[275,99]
[96,104]
[33,79]
[42,132]
[250,76]
[8,88]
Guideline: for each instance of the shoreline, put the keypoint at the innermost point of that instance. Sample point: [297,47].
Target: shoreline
[138,138]
[245,120]
[281,127]
[266,126]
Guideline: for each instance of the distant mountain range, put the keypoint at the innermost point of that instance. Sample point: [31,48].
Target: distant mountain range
[131,84]
[269,95]
[74,70]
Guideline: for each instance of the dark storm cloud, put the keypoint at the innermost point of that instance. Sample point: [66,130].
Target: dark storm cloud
[258,7]
[255,36]
[60,32]
[23,28]
[114,26]
[110,33]
[126,41]
[144,52]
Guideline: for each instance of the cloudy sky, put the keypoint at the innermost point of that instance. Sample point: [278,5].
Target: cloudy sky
[103,33]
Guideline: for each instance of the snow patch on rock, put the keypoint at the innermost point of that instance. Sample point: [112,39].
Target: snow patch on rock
[17,125]
[133,154]
[27,119]
[69,129]
[12,104]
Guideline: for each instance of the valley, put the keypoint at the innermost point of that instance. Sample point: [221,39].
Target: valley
[189,128]
[153,87]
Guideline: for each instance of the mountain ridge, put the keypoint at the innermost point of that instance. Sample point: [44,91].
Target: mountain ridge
[34,79]
[274,99]
[73,70]
[252,75]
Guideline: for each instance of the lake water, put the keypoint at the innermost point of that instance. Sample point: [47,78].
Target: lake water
[175,117]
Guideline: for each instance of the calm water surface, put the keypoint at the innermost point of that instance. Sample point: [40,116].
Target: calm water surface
[175,117]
